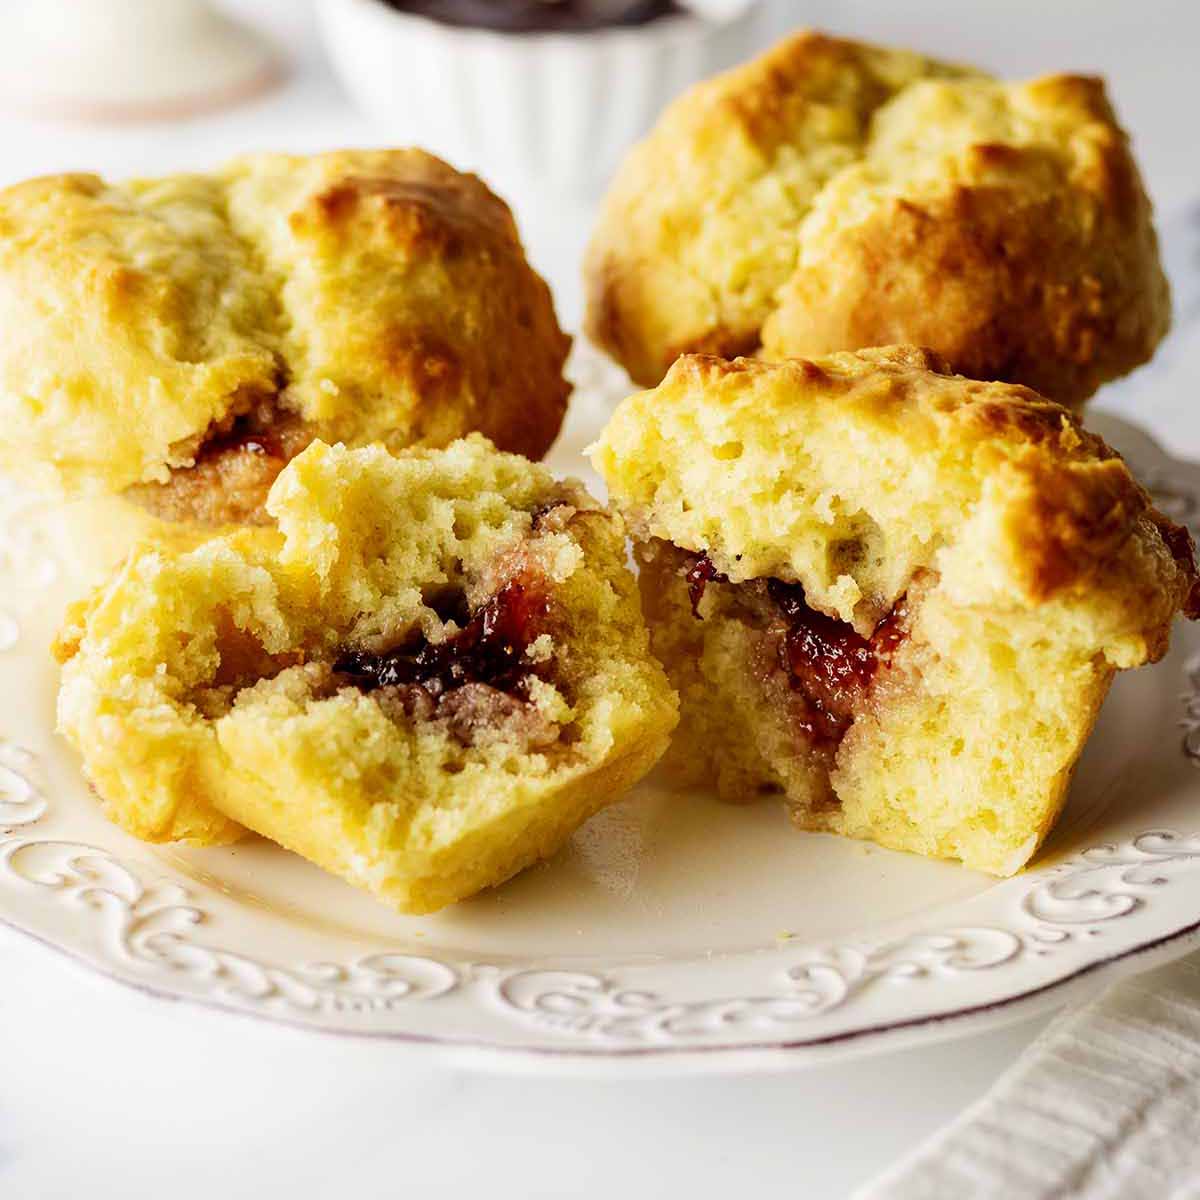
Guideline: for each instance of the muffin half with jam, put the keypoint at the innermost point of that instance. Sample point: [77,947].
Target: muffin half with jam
[424,677]
[893,596]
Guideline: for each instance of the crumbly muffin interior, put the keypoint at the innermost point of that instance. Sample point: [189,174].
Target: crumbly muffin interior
[473,664]
[760,643]
[939,732]
[891,595]
[423,678]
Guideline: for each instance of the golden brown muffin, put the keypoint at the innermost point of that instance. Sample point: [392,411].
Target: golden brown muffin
[180,339]
[423,679]
[831,195]
[893,595]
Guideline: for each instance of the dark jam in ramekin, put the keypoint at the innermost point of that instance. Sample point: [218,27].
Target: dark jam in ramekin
[539,16]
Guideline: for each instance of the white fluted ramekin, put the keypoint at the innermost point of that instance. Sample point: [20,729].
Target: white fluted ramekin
[552,111]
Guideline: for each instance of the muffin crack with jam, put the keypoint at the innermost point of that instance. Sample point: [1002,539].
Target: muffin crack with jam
[820,668]
[894,596]
[423,676]
[178,340]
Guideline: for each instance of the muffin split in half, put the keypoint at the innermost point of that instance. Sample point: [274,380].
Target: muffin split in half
[424,679]
[894,596]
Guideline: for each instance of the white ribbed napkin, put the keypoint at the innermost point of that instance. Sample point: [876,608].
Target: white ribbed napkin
[1104,1105]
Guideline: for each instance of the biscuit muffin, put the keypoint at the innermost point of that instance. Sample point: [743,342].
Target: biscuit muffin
[893,596]
[832,195]
[178,340]
[422,678]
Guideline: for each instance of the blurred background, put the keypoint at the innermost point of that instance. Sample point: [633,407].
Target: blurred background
[128,87]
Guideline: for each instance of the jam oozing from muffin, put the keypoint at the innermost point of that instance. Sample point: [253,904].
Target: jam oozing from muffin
[265,432]
[698,575]
[539,16]
[489,649]
[827,661]
[248,433]
[233,467]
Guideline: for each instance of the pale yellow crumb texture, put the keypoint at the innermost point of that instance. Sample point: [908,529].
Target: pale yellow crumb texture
[1031,563]
[197,683]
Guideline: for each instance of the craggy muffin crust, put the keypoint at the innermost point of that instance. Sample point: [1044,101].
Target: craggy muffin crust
[272,677]
[990,562]
[354,296]
[831,195]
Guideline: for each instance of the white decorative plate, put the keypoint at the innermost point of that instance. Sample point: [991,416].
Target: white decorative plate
[674,932]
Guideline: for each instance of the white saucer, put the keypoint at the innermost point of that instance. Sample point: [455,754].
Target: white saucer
[675,933]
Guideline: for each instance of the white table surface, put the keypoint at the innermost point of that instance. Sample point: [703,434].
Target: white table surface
[107,1092]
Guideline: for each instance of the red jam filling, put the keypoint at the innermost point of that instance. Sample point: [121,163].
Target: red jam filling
[698,576]
[490,648]
[827,661]
[247,434]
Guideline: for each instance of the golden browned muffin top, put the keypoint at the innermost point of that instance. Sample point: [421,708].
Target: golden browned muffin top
[831,195]
[852,473]
[157,326]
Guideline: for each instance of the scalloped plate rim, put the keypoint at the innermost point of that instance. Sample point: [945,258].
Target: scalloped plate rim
[633,1024]
[719,1058]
